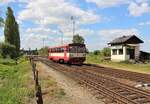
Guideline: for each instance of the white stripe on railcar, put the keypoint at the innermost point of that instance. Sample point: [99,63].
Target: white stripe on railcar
[68,54]
[57,54]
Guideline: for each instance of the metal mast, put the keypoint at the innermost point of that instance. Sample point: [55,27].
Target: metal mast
[73,24]
[61,37]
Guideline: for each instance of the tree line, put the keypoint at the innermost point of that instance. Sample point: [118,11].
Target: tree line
[11,45]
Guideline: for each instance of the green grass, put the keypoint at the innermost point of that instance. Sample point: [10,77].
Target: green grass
[96,59]
[14,82]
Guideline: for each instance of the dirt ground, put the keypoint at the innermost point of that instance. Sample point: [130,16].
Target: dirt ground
[59,89]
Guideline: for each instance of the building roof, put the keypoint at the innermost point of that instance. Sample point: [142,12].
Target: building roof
[131,39]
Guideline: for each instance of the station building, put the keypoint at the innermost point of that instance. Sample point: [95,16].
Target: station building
[125,48]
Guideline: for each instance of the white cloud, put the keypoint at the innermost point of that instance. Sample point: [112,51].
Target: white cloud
[56,13]
[109,34]
[6,1]
[81,31]
[108,3]
[40,30]
[136,9]
[33,37]
[144,23]
[47,12]
[113,3]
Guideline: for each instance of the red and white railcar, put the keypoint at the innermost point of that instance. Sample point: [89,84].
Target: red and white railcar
[71,53]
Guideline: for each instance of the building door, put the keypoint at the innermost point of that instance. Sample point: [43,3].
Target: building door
[131,53]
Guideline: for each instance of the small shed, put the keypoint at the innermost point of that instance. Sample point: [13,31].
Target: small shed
[144,56]
[125,48]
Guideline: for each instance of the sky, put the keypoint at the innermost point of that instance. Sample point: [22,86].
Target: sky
[45,22]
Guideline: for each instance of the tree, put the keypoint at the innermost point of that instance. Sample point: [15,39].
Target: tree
[7,50]
[96,52]
[17,39]
[106,52]
[1,22]
[43,51]
[11,30]
[78,39]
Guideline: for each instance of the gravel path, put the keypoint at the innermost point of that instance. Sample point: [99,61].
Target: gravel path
[78,94]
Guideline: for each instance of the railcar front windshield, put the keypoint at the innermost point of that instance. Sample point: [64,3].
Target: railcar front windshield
[77,49]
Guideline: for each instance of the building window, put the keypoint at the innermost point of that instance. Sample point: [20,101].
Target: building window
[114,51]
[120,51]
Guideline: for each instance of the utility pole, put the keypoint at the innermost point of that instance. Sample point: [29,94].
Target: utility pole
[61,37]
[73,24]
[43,41]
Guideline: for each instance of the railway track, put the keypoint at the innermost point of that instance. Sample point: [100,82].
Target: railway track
[116,73]
[133,76]
[113,90]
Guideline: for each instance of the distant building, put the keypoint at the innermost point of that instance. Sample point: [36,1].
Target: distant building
[29,52]
[144,56]
[125,48]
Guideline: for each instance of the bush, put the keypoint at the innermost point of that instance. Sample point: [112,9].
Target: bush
[96,52]
[106,52]
[43,51]
[8,50]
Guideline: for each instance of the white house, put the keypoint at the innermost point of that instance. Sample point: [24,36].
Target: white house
[125,48]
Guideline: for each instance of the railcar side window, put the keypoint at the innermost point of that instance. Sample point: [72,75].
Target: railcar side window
[62,49]
[57,50]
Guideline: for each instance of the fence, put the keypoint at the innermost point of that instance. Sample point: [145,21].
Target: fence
[38,92]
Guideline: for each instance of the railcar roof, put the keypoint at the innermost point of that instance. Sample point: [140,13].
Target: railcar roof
[71,44]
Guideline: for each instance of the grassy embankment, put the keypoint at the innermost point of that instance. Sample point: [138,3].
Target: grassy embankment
[16,85]
[96,59]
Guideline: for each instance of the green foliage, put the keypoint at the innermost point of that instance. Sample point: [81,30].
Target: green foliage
[60,93]
[91,58]
[96,52]
[1,22]
[106,52]
[7,61]
[78,39]
[14,84]
[8,50]
[43,51]
[17,39]
[125,65]
[125,62]
[11,31]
